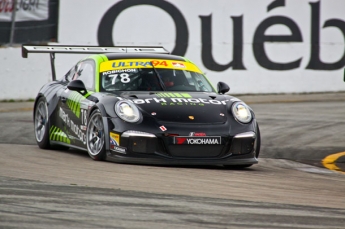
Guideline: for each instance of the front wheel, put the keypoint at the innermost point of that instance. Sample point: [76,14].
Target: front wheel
[95,136]
[258,142]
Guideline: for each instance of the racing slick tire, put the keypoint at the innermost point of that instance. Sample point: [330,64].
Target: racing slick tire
[258,142]
[41,124]
[257,152]
[95,136]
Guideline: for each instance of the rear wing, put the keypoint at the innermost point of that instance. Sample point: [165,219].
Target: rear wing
[76,49]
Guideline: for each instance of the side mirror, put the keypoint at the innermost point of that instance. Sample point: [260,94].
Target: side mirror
[344,74]
[77,85]
[222,88]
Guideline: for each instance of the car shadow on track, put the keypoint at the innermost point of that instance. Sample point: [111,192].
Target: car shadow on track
[84,155]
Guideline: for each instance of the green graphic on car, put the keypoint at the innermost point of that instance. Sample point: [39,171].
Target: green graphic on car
[174,95]
[56,134]
[73,102]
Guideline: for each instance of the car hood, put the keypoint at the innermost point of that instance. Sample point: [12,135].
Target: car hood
[191,107]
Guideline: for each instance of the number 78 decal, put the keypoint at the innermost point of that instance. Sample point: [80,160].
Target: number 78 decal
[124,78]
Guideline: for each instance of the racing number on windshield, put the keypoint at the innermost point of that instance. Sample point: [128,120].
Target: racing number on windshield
[124,78]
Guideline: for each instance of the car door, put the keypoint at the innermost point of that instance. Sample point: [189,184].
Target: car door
[74,105]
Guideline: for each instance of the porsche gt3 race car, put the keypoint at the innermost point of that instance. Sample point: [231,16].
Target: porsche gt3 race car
[142,105]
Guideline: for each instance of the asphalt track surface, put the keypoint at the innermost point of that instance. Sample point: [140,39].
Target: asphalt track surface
[289,188]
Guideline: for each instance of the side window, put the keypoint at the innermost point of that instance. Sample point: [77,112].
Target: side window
[69,75]
[85,72]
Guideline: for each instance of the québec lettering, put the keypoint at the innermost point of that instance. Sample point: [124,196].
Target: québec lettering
[105,36]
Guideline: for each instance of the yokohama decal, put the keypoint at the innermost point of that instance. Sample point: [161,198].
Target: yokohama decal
[197,140]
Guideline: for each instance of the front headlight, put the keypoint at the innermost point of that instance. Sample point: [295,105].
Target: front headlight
[127,111]
[241,112]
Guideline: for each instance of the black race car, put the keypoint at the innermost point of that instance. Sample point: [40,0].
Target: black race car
[142,105]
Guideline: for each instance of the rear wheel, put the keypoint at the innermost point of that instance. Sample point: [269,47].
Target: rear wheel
[95,136]
[41,124]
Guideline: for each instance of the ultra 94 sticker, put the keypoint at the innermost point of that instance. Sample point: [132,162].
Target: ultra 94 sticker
[207,140]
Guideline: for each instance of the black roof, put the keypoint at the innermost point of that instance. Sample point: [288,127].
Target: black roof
[114,56]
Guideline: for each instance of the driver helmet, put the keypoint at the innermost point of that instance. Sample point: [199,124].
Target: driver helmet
[167,81]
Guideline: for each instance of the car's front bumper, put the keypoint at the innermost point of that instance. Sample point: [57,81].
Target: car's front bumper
[146,148]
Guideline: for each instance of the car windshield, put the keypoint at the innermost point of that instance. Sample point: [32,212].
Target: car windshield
[154,78]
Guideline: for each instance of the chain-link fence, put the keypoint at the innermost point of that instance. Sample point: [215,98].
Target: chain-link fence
[28,21]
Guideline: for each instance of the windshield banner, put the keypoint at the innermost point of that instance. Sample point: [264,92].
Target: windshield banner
[148,63]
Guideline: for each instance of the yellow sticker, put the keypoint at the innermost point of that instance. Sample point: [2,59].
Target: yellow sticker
[115,137]
[148,63]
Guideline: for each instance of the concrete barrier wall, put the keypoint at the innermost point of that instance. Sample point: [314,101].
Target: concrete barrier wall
[266,46]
